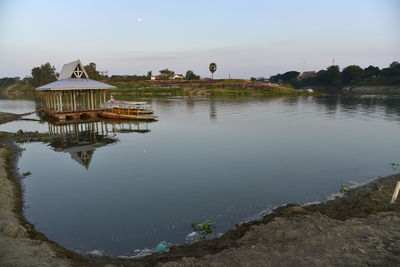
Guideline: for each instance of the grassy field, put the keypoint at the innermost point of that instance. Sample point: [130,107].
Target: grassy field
[222,88]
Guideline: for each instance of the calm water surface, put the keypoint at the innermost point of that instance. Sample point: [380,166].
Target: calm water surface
[120,187]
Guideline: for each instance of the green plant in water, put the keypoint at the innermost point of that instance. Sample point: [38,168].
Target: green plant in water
[27,173]
[204,228]
[343,187]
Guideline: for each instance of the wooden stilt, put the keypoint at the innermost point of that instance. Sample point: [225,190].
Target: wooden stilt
[91,95]
[88,99]
[83,100]
[95,98]
[74,94]
[51,101]
[55,102]
[71,102]
[61,102]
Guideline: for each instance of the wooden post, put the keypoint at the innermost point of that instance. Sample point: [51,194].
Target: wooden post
[51,100]
[66,101]
[395,193]
[70,100]
[77,100]
[83,100]
[88,100]
[95,98]
[74,94]
[91,95]
[61,102]
[71,106]
[104,96]
[55,101]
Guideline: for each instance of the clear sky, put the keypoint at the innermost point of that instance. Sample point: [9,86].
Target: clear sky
[245,38]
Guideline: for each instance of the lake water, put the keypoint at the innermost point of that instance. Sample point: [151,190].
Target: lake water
[120,187]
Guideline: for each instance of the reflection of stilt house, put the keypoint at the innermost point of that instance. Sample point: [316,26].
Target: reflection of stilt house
[81,140]
[73,95]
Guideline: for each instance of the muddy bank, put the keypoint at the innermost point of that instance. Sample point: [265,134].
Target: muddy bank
[361,228]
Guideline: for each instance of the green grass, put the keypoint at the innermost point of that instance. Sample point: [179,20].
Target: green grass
[213,90]
[220,88]
[149,91]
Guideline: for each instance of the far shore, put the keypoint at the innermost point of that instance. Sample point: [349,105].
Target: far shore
[360,228]
[212,88]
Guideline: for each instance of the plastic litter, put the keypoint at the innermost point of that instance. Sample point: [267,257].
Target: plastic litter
[162,246]
[192,237]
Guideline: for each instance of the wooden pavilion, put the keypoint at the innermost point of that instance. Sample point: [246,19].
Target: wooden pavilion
[73,95]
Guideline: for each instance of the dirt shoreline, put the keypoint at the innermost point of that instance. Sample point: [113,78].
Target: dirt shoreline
[361,228]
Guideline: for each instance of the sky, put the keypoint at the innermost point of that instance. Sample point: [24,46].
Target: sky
[244,38]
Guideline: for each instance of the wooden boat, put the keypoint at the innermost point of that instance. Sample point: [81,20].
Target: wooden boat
[126,107]
[113,115]
[128,110]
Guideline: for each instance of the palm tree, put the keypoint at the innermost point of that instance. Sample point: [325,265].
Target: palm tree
[213,68]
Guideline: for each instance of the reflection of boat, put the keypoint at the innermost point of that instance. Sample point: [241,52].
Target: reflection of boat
[128,110]
[122,126]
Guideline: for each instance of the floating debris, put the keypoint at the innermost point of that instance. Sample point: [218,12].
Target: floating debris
[96,252]
[192,237]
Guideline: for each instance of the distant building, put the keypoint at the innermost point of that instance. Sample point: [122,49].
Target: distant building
[307,74]
[177,76]
[165,76]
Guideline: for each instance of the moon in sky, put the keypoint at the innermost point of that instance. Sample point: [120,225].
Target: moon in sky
[139,20]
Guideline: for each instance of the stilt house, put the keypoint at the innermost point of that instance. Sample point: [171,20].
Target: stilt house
[73,95]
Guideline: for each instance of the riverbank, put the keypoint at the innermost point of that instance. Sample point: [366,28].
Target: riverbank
[336,232]
[219,88]
[208,87]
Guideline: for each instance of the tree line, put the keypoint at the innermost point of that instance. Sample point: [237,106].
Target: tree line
[46,73]
[333,79]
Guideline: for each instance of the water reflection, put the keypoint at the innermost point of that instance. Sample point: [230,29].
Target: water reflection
[139,190]
[213,110]
[81,140]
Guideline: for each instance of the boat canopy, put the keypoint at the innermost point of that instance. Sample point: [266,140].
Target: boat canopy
[119,102]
